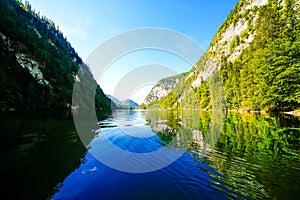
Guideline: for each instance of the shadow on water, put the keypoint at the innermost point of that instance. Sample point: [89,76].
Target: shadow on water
[36,153]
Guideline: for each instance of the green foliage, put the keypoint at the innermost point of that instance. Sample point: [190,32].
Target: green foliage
[142,106]
[169,101]
[235,42]
[231,78]
[203,96]
[266,75]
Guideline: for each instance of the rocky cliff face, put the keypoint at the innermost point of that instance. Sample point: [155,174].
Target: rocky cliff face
[162,89]
[233,36]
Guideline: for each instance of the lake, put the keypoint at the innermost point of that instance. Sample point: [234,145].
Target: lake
[208,155]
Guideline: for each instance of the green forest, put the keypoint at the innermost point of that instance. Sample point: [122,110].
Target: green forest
[264,77]
[25,32]
[267,74]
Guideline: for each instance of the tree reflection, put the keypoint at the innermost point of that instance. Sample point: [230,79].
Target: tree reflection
[258,154]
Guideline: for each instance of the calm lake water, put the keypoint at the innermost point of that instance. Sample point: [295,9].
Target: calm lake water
[237,156]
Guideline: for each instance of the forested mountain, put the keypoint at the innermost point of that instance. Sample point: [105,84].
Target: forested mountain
[162,88]
[253,61]
[38,66]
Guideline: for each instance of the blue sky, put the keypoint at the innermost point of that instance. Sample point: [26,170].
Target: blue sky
[87,24]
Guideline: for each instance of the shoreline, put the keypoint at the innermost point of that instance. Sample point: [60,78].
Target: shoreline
[294,113]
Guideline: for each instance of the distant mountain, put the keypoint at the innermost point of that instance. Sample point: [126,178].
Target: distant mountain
[123,104]
[131,103]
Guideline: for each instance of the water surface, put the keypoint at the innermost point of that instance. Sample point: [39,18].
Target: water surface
[237,156]
[247,157]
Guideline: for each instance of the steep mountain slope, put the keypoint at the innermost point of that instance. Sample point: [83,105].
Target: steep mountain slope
[38,66]
[253,62]
[162,88]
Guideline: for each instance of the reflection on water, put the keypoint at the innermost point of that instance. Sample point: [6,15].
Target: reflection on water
[35,154]
[257,155]
[247,157]
[238,156]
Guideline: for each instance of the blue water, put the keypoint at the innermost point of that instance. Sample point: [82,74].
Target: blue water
[232,156]
[186,178]
[239,166]
[181,180]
